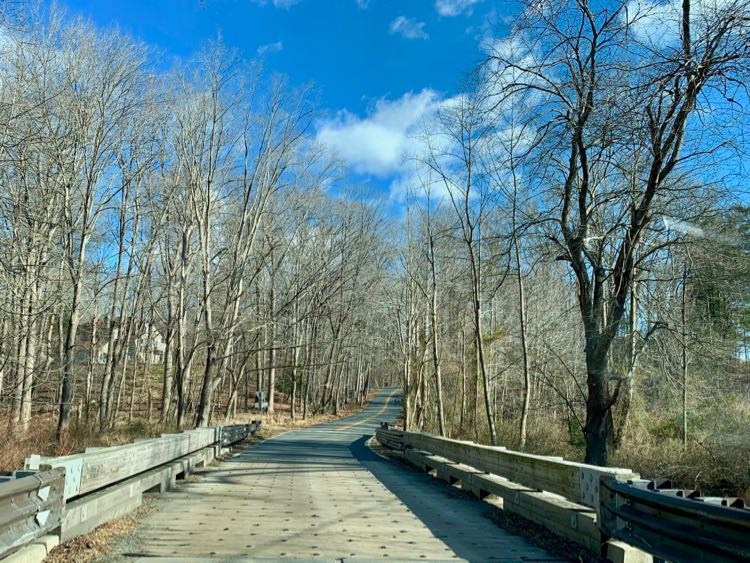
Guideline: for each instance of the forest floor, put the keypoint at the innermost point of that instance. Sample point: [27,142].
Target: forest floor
[95,546]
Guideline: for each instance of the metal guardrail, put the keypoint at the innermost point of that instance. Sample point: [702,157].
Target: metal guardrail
[29,508]
[675,524]
[56,492]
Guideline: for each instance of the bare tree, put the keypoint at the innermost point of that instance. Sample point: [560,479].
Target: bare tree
[594,72]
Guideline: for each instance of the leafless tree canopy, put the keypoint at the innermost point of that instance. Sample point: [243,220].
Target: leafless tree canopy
[569,273]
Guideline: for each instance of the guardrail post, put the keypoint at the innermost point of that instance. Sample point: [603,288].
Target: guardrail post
[620,552]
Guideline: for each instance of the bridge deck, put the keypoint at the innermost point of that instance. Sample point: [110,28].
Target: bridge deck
[320,493]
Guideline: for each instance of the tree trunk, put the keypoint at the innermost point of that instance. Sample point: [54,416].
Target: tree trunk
[483,373]
[597,427]
[435,337]
[68,380]
[183,362]
[4,359]
[204,406]
[524,344]
[626,393]
[462,417]
[297,340]
[167,380]
[19,366]
[30,366]
[684,360]
[131,407]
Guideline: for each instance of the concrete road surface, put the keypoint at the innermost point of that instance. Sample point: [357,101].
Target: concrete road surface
[320,493]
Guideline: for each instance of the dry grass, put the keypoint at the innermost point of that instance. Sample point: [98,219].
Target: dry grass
[716,460]
[40,439]
[96,544]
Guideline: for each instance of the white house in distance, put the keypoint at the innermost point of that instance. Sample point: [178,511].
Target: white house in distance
[143,347]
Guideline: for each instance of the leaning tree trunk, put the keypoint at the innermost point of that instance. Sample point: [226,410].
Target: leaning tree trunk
[435,344]
[524,346]
[483,367]
[68,380]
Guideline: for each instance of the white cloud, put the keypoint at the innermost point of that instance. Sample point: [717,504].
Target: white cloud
[392,140]
[452,8]
[270,48]
[363,4]
[659,21]
[409,28]
[286,4]
[654,21]
[381,142]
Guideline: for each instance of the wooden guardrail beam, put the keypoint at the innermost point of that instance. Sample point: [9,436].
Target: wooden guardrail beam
[558,494]
[391,438]
[29,508]
[634,516]
[578,482]
[74,493]
[93,470]
[237,432]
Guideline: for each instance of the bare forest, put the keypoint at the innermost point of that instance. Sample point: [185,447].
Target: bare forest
[568,272]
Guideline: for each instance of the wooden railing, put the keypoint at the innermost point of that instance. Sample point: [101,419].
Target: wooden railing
[71,495]
[97,468]
[611,511]
[390,437]
[237,432]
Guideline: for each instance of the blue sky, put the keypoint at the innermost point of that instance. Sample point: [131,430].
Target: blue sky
[378,65]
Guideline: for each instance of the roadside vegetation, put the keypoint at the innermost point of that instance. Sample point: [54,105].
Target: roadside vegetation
[169,245]
[568,273]
[576,253]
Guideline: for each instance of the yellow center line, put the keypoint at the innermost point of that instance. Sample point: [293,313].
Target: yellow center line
[369,418]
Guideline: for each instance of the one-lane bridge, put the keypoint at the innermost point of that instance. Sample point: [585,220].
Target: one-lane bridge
[321,493]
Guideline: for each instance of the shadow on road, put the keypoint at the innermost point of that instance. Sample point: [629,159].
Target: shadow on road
[443,516]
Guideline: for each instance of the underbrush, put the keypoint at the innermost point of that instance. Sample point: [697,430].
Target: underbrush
[41,438]
[716,461]
[717,457]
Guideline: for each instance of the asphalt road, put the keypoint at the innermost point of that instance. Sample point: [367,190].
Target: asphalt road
[320,493]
